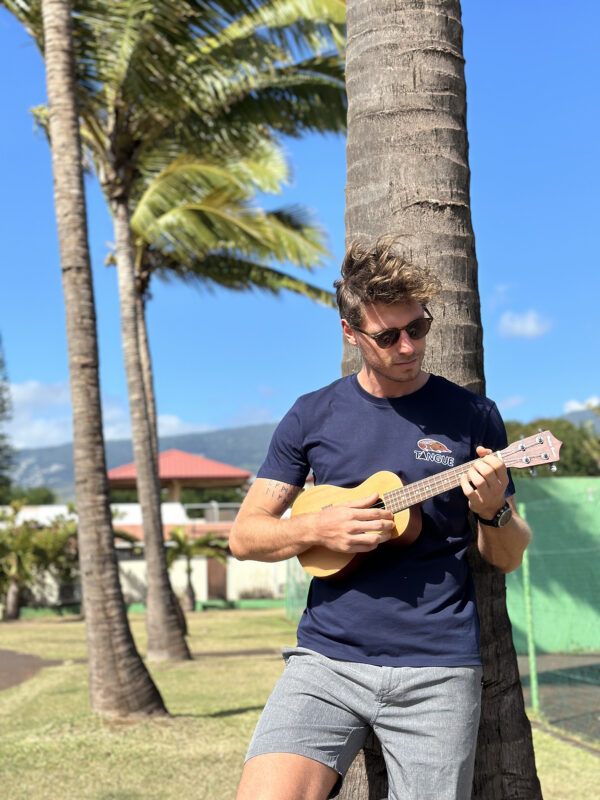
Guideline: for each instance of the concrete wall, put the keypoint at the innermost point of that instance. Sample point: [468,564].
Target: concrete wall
[244,578]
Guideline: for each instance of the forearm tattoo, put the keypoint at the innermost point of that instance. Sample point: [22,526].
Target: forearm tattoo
[282,492]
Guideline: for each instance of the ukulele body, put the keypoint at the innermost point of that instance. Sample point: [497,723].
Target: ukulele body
[321,562]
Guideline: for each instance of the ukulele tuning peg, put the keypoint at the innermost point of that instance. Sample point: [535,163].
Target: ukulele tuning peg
[553,468]
[533,472]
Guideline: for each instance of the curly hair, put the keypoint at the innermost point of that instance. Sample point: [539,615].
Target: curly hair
[377,274]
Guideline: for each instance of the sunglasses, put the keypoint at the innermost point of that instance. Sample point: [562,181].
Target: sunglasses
[416,329]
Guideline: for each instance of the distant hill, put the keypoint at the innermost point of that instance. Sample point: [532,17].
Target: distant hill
[584,417]
[53,466]
[241,447]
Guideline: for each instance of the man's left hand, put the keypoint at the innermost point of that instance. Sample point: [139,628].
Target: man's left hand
[485,483]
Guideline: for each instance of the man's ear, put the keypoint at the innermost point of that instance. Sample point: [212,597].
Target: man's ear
[349,333]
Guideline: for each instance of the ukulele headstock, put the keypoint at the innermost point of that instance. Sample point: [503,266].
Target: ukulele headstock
[541,448]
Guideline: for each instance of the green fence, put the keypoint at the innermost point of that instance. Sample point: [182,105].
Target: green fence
[296,588]
[553,602]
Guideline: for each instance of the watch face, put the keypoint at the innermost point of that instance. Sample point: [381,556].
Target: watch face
[504,517]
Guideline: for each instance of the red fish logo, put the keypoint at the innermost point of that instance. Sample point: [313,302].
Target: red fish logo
[431,445]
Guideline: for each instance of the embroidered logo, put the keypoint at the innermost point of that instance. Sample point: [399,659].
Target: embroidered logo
[432,450]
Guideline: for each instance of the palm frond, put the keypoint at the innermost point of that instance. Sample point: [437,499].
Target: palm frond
[238,274]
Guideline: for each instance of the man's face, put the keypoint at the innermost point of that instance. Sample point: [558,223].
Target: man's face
[397,369]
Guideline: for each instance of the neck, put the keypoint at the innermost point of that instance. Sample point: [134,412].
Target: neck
[381,386]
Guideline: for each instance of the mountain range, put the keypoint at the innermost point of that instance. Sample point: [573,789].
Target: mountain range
[53,466]
[241,447]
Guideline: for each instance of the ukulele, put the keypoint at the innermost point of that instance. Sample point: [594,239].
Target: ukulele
[403,501]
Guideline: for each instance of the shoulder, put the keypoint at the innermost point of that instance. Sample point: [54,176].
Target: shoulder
[324,396]
[455,394]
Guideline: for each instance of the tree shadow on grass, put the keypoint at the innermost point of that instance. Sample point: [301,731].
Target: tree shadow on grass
[121,794]
[230,712]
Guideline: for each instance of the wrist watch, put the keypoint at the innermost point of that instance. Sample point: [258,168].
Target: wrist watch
[501,518]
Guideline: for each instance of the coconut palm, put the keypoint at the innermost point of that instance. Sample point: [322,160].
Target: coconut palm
[119,681]
[17,561]
[29,551]
[189,547]
[6,451]
[159,79]
[198,221]
[408,174]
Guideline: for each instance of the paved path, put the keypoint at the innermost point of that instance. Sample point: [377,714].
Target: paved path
[15,668]
[18,667]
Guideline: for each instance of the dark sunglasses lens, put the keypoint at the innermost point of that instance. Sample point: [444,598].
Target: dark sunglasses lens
[416,329]
[388,338]
[419,328]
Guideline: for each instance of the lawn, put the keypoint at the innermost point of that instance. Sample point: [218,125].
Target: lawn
[52,747]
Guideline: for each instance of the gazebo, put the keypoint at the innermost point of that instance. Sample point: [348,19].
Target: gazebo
[179,470]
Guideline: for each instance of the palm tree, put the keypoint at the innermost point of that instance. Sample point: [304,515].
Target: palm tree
[16,559]
[188,547]
[6,451]
[408,173]
[198,221]
[157,80]
[28,551]
[119,681]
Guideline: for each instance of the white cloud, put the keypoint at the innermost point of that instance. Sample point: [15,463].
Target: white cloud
[170,425]
[499,295]
[33,394]
[511,402]
[41,417]
[251,415]
[576,405]
[529,325]
[115,419]
[41,414]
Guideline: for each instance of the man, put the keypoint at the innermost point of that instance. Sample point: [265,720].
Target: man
[393,645]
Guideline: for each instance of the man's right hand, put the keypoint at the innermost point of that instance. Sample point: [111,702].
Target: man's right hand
[353,527]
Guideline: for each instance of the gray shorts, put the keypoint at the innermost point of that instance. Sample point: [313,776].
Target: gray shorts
[426,719]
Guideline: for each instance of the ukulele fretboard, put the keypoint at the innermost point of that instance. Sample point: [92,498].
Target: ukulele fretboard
[418,492]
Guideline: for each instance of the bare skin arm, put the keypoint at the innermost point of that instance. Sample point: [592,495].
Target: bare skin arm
[259,532]
[484,486]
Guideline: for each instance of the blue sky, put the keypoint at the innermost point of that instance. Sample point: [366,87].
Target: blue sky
[225,360]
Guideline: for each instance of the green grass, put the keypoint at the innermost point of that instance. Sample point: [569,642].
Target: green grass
[51,746]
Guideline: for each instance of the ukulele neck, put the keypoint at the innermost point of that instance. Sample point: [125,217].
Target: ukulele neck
[414,493]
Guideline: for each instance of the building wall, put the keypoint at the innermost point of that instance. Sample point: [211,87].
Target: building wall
[245,579]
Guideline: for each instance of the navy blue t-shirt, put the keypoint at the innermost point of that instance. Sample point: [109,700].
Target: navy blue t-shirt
[404,606]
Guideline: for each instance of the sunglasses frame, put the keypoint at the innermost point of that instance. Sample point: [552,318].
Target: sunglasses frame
[398,331]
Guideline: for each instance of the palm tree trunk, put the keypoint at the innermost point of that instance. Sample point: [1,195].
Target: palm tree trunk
[13,603]
[119,681]
[148,376]
[166,641]
[189,596]
[408,174]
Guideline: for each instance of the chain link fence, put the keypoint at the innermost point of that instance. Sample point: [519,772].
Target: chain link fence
[553,601]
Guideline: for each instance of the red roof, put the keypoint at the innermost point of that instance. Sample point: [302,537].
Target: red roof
[176,465]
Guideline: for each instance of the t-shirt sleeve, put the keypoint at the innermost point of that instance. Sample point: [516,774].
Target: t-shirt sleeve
[286,458]
[494,437]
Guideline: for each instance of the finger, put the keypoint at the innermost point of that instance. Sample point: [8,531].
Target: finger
[367,509]
[362,502]
[363,542]
[475,478]
[494,471]
[379,526]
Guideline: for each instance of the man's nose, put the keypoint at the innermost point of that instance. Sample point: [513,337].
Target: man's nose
[405,343]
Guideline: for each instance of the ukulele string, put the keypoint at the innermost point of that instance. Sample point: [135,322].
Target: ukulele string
[405,496]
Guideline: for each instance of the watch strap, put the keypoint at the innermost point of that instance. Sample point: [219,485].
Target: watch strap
[493,522]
